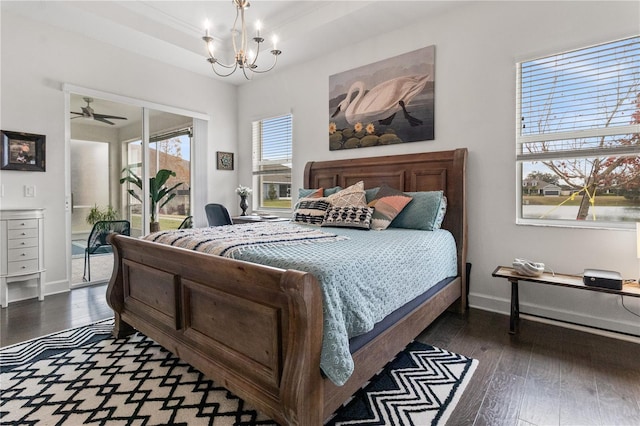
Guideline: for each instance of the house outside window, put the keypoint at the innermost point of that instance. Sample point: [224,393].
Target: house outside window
[272,159]
[578,143]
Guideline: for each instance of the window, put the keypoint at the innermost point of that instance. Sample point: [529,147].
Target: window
[272,145]
[172,151]
[578,143]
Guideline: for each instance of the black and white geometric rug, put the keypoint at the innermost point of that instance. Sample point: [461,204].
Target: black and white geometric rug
[84,376]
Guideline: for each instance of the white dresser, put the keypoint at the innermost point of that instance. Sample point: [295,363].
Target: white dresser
[21,249]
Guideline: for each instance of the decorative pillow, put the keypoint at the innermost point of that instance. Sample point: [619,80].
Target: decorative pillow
[309,193]
[352,196]
[441,212]
[332,190]
[425,211]
[388,203]
[316,193]
[370,194]
[348,217]
[310,211]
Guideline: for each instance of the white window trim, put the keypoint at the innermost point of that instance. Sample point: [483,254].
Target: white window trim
[255,176]
[521,157]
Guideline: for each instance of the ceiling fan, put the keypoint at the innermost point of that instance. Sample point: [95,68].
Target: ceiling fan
[87,112]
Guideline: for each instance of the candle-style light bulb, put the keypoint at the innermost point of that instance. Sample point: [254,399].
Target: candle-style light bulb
[206,27]
[275,42]
[258,28]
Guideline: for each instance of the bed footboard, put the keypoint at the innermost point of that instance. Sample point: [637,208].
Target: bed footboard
[253,329]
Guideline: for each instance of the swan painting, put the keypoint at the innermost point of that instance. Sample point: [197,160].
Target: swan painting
[383,101]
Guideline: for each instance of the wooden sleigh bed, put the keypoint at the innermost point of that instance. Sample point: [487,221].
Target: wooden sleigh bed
[257,330]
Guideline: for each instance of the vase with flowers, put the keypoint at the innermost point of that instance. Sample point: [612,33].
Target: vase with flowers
[244,192]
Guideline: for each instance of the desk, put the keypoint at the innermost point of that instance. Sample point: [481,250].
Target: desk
[256,218]
[572,281]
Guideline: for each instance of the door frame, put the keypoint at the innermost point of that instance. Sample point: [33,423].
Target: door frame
[198,168]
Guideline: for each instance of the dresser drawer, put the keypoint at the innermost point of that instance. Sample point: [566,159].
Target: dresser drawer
[22,243]
[22,267]
[22,254]
[14,234]
[22,223]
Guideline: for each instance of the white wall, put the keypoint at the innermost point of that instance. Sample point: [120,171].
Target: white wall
[477,47]
[36,60]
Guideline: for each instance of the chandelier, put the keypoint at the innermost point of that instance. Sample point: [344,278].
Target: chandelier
[245,59]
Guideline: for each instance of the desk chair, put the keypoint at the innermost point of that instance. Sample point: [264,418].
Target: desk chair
[217,215]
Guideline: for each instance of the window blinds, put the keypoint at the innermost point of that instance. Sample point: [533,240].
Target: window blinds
[580,103]
[272,145]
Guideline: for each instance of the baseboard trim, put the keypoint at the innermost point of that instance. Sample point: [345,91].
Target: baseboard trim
[587,329]
[622,330]
[28,289]
[89,283]
[61,286]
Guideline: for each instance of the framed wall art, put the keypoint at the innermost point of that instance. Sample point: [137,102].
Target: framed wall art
[22,151]
[225,160]
[386,102]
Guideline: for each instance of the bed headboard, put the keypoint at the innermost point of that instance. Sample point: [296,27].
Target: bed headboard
[427,171]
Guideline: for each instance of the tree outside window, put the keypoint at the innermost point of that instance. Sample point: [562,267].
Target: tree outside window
[579,115]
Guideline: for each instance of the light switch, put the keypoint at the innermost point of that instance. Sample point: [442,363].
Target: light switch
[29,190]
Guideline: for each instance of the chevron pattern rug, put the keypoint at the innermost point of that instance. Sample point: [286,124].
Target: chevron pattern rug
[84,376]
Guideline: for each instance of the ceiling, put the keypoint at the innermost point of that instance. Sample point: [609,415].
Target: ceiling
[171,31]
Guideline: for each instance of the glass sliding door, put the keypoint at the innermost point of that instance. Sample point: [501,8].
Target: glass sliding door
[97,128]
[169,148]
[89,184]
[133,203]
[172,152]
[108,138]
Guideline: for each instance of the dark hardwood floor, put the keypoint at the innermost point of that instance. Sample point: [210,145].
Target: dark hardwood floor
[547,375]
[28,319]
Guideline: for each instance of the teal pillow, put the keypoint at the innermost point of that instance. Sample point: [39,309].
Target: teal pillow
[371,193]
[331,191]
[306,193]
[425,211]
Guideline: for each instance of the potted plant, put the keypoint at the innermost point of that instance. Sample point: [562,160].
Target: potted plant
[159,194]
[97,214]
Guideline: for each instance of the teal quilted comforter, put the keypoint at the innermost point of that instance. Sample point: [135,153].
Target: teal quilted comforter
[363,279]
